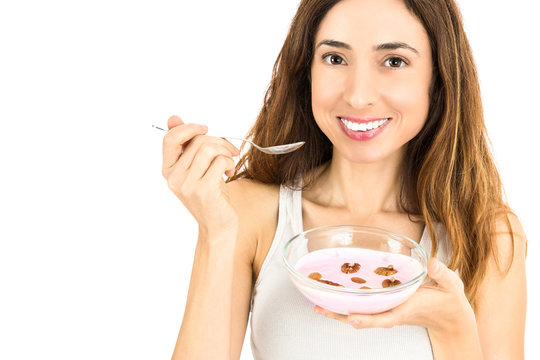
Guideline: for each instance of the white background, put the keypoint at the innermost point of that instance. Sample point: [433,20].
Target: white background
[95,251]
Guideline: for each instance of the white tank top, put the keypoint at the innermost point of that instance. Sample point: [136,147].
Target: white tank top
[284,326]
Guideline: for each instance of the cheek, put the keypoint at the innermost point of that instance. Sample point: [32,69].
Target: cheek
[325,92]
[410,97]
[325,96]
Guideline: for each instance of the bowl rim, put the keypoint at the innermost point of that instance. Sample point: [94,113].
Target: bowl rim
[341,290]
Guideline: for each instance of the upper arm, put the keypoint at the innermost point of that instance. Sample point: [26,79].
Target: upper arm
[502,295]
[240,302]
[255,205]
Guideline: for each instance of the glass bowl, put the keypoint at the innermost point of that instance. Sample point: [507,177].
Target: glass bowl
[334,252]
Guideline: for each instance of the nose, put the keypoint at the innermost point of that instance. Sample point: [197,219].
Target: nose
[361,88]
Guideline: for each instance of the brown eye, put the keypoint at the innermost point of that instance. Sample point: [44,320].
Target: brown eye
[395,62]
[334,59]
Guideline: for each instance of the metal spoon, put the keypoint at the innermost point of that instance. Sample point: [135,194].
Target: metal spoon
[276,150]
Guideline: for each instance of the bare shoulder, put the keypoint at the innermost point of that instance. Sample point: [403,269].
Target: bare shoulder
[505,270]
[253,199]
[257,205]
[510,241]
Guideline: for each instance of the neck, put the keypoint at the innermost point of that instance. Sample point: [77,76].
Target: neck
[362,189]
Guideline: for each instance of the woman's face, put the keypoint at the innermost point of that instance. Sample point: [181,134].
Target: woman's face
[372,61]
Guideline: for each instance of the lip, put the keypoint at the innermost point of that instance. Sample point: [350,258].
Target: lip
[364,135]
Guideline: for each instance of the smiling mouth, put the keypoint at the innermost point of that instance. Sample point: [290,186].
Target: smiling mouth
[363,126]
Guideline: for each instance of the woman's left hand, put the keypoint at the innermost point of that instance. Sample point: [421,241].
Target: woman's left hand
[439,305]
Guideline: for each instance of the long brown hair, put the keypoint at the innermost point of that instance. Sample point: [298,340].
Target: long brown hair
[449,176]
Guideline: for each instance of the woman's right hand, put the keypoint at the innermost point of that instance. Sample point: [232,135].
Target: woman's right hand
[193,165]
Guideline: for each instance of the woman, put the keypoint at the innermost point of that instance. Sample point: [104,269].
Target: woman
[386,96]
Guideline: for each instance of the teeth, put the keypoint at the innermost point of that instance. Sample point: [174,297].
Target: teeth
[363,126]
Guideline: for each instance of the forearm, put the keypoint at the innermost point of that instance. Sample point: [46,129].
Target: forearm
[460,341]
[205,330]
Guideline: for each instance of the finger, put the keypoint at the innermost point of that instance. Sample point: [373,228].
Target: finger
[443,276]
[230,172]
[196,144]
[330,314]
[220,165]
[205,154]
[191,149]
[233,149]
[218,140]
[174,121]
[182,177]
[176,139]
[386,319]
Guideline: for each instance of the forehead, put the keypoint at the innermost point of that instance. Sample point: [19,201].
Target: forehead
[364,23]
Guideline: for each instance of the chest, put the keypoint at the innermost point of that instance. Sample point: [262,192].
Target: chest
[314,215]
[311,215]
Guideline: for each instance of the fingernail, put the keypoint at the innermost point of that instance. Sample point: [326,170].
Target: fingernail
[354,322]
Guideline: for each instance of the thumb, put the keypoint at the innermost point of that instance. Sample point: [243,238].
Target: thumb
[442,275]
[174,121]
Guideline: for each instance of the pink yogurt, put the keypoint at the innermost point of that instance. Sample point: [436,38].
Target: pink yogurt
[328,263]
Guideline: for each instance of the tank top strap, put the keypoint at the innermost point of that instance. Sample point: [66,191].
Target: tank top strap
[297,221]
[444,247]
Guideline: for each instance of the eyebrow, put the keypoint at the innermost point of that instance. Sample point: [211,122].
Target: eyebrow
[385,46]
